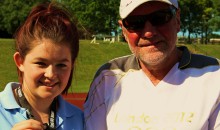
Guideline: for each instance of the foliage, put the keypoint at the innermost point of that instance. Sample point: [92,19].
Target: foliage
[13,13]
[95,16]
[215,21]
[200,17]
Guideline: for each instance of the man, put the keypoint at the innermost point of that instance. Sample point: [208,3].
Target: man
[160,86]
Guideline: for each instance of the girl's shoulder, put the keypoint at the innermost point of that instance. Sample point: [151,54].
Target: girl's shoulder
[67,108]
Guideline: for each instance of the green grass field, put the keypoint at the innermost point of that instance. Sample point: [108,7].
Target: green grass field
[91,57]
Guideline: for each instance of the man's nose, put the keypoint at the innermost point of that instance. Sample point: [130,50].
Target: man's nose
[149,30]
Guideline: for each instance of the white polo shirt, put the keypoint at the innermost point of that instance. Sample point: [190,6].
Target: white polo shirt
[122,97]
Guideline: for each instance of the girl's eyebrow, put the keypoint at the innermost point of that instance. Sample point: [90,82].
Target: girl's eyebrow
[44,59]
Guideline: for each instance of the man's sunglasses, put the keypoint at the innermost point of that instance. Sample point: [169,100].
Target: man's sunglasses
[158,18]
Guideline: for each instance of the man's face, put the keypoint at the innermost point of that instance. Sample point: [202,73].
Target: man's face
[153,44]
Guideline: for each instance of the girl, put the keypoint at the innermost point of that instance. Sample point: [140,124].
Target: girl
[47,45]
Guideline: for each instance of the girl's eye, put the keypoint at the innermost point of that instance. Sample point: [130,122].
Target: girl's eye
[61,65]
[42,64]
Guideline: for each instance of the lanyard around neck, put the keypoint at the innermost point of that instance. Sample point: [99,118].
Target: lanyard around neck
[24,103]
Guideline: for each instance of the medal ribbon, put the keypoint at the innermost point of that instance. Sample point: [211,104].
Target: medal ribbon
[24,103]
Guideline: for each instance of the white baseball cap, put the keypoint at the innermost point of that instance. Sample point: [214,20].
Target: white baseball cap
[127,6]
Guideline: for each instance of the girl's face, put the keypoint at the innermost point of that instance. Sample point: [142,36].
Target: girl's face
[46,69]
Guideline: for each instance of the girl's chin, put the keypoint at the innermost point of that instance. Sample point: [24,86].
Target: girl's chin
[47,95]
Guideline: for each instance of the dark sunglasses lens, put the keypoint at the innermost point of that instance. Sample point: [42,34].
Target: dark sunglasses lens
[156,19]
[160,18]
[134,22]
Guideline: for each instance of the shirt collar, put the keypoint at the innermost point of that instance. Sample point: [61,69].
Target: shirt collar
[186,57]
[7,98]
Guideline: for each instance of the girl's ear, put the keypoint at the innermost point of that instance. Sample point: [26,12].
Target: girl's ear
[19,61]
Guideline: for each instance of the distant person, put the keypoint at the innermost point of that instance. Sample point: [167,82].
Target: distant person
[47,45]
[160,86]
[94,39]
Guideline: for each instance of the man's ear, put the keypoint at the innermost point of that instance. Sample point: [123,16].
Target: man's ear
[120,23]
[123,29]
[19,61]
[178,19]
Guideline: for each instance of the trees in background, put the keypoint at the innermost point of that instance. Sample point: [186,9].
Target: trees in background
[215,21]
[95,16]
[13,13]
[199,18]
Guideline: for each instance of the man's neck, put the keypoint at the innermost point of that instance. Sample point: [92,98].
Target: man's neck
[157,72]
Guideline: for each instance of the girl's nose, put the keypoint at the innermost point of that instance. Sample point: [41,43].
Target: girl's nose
[50,72]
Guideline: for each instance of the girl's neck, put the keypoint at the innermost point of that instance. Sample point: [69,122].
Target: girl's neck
[40,108]
[38,104]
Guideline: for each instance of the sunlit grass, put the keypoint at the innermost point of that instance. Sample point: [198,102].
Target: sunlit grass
[90,58]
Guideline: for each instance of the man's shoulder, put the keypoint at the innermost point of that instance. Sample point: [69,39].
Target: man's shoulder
[204,60]
[191,60]
[123,64]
